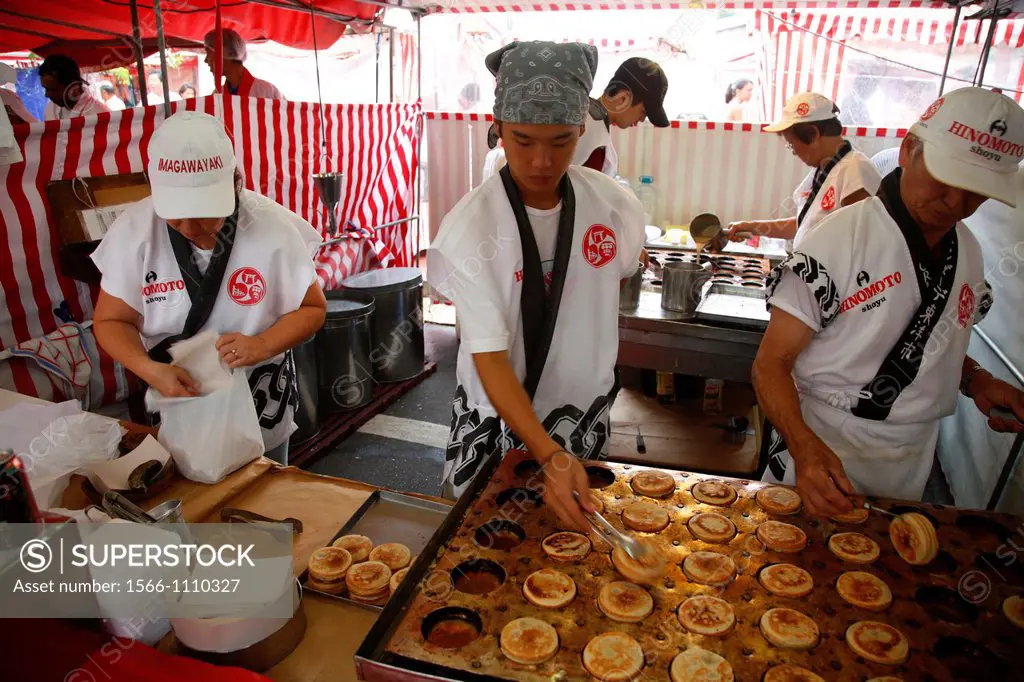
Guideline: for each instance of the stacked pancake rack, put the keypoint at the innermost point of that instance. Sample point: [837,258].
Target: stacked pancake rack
[748,587]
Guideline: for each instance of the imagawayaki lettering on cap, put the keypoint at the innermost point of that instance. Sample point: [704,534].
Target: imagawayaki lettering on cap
[211,163]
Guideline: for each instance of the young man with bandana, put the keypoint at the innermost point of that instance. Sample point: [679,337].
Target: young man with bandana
[872,315]
[532,259]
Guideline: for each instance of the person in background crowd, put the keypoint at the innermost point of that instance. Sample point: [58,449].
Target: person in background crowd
[204,254]
[532,260]
[469,96]
[737,98]
[16,111]
[635,92]
[841,175]
[237,79]
[109,96]
[155,86]
[186,91]
[872,316]
[66,89]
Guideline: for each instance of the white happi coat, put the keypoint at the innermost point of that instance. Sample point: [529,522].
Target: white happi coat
[268,273]
[476,261]
[857,282]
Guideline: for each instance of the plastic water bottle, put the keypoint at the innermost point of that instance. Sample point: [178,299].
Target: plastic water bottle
[648,196]
[625,184]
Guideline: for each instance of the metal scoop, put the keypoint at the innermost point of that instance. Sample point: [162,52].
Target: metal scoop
[633,548]
[706,230]
[870,507]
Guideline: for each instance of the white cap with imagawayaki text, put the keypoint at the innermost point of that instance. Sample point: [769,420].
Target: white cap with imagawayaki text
[803,108]
[974,140]
[192,168]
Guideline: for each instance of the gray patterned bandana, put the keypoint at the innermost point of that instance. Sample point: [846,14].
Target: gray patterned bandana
[543,83]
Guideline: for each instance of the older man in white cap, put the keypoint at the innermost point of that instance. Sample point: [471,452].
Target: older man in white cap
[872,315]
[237,79]
[532,259]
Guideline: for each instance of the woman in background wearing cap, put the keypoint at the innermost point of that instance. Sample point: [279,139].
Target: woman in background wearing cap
[872,315]
[842,175]
[203,254]
[532,260]
[237,79]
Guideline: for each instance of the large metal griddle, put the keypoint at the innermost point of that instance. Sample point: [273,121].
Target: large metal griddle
[949,610]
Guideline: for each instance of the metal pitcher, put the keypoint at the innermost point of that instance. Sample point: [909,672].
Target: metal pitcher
[683,286]
[629,289]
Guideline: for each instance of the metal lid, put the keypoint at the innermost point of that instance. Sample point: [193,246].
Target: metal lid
[385,281]
[341,309]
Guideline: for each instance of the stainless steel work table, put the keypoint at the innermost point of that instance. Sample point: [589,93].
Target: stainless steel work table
[653,338]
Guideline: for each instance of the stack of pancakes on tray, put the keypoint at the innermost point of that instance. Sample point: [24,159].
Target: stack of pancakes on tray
[353,567]
[740,585]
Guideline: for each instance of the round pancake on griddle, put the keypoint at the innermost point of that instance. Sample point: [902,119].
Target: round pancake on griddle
[706,615]
[651,569]
[856,516]
[786,580]
[645,517]
[327,569]
[397,578]
[613,657]
[711,527]
[700,665]
[528,641]
[625,602]
[598,502]
[653,484]
[864,591]
[790,673]
[877,642]
[714,492]
[854,547]
[778,500]
[789,629]
[394,555]
[914,539]
[549,589]
[781,537]
[368,578]
[1013,609]
[709,568]
[566,546]
[885,678]
[359,546]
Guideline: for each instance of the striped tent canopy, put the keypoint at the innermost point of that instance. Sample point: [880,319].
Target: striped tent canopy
[484,6]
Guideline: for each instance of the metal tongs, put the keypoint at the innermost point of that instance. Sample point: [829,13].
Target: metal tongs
[119,506]
[633,548]
[870,507]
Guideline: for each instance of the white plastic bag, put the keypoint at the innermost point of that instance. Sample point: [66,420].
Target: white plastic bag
[212,435]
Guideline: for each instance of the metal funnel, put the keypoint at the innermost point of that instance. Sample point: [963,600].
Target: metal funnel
[329,188]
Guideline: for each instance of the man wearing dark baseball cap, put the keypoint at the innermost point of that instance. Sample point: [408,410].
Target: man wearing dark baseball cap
[636,92]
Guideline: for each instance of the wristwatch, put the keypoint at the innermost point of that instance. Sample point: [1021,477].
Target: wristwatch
[967,377]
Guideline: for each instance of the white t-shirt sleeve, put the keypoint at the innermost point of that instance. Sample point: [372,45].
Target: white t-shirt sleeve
[856,175]
[631,232]
[119,257]
[296,268]
[792,296]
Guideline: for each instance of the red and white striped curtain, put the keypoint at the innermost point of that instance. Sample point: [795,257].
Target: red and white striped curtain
[279,147]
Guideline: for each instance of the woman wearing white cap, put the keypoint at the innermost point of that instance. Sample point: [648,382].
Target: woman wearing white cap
[841,176]
[873,313]
[203,254]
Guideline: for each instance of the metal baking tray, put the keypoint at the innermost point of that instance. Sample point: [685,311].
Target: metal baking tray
[387,516]
[732,304]
[949,611]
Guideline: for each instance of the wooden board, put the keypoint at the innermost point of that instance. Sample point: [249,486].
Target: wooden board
[681,436]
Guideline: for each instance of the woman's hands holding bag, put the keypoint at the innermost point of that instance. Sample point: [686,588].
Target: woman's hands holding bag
[239,350]
[170,381]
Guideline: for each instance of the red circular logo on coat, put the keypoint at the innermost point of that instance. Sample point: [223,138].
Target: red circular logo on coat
[247,286]
[933,109]
[803,109]
[828,202]
[965,309]
[599,247]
